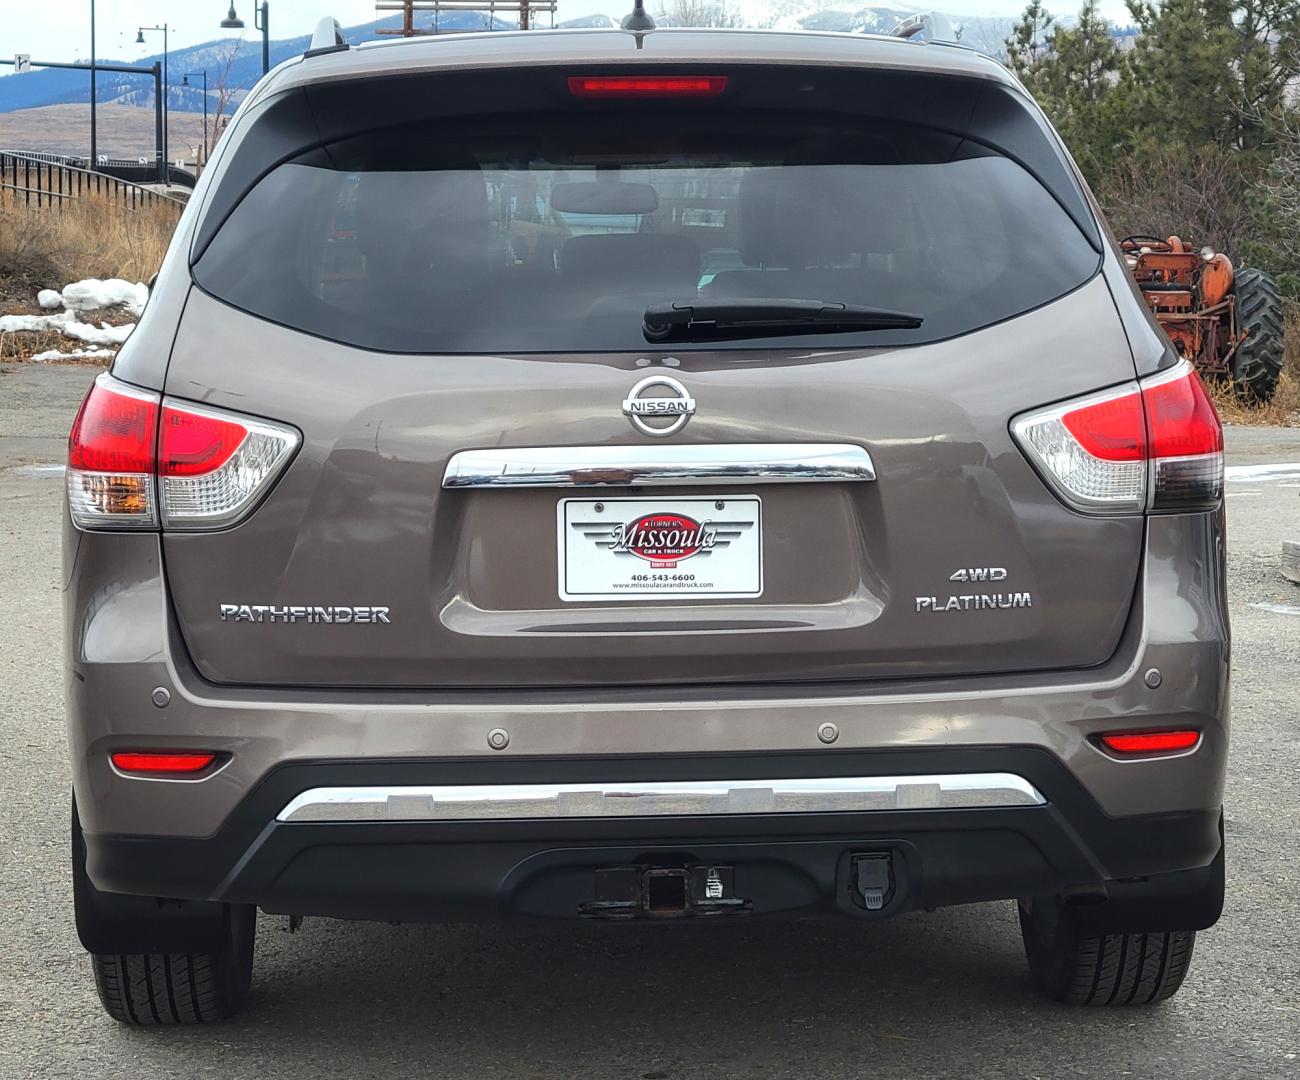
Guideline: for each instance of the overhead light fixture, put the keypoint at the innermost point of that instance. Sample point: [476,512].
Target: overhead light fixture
[232,21]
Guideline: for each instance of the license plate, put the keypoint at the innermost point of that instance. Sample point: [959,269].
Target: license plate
[648,549]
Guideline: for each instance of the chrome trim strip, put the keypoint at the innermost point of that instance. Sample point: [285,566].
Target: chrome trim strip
[712,464]
[832,794]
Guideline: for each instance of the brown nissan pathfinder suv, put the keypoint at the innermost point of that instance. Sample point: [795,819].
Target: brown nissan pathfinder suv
[675,475]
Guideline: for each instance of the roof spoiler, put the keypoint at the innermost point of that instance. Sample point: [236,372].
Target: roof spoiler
[327,38]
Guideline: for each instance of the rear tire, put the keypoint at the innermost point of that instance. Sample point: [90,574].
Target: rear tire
[1257,363]
[158,961]
[1109,969]
[148,989]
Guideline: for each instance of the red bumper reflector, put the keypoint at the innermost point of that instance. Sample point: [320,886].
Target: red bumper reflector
[656,86]
[1150,742]
[176,763]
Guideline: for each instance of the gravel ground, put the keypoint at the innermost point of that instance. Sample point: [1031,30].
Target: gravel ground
[943,994]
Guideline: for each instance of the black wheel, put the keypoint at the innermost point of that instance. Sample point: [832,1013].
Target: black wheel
[1257,363]
[175,988]
[1110,969]
[162,961]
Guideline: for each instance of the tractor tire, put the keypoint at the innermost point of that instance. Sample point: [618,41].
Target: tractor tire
[1257,363]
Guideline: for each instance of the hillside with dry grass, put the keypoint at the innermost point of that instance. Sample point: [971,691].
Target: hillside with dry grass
[123,131]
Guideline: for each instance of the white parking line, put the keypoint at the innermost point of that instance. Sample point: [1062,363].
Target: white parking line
[1282,470]
[36,470]
[1278,609]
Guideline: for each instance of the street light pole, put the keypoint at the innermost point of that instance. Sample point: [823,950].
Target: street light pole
[139,39]
[261,20]
[185,81]
[94,142]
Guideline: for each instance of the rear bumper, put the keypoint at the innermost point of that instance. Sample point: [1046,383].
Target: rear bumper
[421,869]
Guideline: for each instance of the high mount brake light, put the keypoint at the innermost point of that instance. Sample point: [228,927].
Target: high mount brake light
[135,460]
[1131,744]
[647,86]
[1154,445]
[162,763]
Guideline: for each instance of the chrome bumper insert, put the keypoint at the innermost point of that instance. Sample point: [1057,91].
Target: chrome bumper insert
[836,794]
[707,463]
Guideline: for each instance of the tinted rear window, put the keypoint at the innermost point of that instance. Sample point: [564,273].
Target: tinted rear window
[553,233]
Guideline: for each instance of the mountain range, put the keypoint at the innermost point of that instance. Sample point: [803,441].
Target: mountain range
[52,86]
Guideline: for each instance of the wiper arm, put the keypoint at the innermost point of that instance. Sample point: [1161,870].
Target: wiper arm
[732,319]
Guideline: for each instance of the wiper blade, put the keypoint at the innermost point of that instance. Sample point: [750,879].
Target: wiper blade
[733,319]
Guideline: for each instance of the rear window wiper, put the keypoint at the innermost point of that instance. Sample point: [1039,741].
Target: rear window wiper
[732,319]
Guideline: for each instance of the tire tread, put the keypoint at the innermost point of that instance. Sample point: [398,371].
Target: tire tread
[1140,968]
[162,989]
[1257,364]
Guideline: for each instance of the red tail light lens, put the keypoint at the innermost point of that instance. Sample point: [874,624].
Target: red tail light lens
[1112,429]
[1152,445]
[192,444]
[647,86]
[1181,420]
[114,429]
[1130,744]
[162,763]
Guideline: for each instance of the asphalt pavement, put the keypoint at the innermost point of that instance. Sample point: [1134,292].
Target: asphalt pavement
[925,995]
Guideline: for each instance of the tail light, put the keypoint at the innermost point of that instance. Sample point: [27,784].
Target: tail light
[111,458]
[1134,743]
[647,86]
[1154,445]
[136,459]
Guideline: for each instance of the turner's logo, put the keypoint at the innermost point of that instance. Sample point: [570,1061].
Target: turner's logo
[664,539]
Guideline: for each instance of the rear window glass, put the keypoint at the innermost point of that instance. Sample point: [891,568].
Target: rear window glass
[554,233]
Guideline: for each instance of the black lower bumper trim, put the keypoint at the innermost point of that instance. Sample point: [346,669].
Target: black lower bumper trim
[466,871]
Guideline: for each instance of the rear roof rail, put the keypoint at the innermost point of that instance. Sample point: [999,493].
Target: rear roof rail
[327,38]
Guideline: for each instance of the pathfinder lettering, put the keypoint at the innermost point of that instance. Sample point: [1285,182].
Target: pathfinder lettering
[294,613]
[974,602]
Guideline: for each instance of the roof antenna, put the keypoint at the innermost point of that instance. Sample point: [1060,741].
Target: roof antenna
[638,22]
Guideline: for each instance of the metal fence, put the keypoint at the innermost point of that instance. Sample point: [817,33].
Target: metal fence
[35,182]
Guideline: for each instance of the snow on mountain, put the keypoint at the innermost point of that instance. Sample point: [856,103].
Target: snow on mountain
[53,86]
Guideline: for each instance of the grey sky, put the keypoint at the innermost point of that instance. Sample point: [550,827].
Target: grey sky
[60,29]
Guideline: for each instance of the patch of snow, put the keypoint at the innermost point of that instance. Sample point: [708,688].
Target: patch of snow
[103,335]
[92,293]
[65,323]
[54,356]
[49,299]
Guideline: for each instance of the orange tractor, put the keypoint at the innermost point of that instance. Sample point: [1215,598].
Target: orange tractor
[1227,322]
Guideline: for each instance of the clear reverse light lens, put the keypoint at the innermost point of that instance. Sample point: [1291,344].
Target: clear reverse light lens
[210,476]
